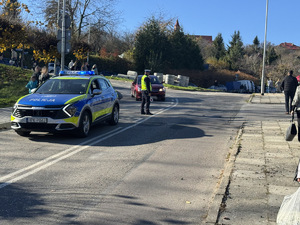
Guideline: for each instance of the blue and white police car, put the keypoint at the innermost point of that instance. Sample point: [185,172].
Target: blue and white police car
[73,101]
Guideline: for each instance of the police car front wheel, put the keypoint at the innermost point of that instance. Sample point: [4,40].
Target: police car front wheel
[84,125]
[114,119]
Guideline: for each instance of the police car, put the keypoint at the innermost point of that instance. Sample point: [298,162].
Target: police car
[73,101]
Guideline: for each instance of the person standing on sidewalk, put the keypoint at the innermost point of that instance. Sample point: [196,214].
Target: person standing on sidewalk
[296,108]
[289,85]
[146,92]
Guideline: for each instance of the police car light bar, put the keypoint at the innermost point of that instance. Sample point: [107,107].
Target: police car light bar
[71,72]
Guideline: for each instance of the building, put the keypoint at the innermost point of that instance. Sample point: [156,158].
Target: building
[290,46]
[196,37]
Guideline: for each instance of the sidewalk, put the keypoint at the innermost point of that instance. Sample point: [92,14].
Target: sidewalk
[259,173]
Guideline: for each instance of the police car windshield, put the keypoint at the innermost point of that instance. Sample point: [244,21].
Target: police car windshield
[153,79]
[64,86]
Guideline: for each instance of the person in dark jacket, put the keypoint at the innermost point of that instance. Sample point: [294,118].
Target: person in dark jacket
[289,86]
[37,73]
[146,92]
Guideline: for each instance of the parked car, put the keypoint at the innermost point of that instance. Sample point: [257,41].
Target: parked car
[70,103]
[51,68]
[241,86]
[158,89]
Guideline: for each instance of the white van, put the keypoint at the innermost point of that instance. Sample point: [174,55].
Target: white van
[247,86]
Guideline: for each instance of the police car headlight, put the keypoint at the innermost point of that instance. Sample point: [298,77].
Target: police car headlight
[14,108]
[70,110]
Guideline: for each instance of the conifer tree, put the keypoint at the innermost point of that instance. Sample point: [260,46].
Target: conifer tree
[235,51]
[219,47]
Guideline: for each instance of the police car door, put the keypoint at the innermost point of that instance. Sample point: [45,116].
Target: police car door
[97,102]
[107,95]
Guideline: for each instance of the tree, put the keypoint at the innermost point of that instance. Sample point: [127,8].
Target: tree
[256,44]
[235,51]
[220,50]
[97,13]
[185,53]
[271,56]
[44,46]
[11,10]
[80,51]
[151,46]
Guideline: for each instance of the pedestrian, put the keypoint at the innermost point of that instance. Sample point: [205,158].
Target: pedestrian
[146,92]
[33,83]
[74,66]
[85,67]
[70,64]
[278,86]
[296,108]
[289,85]
[44,75]
[269,85]
[34,65]
[216,83]
[95,69]
[37,73]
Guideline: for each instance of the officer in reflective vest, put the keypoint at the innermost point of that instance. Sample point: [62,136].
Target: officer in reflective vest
[146,92]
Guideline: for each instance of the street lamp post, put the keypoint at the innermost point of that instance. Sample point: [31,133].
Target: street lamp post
[63,37]
[262,89]
[89,37]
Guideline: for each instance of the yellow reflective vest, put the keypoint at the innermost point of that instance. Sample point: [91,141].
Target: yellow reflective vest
[144,85]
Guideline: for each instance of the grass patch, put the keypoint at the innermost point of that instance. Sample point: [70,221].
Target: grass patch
[12,84]
[119,78]
[189,88]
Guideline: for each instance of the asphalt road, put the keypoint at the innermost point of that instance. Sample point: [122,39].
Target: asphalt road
[160,169]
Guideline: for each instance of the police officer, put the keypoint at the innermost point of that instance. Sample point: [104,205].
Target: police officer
[146,92]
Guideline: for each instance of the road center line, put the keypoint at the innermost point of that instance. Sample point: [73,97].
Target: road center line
[72,151]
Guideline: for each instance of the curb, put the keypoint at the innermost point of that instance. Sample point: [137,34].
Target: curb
[219,201]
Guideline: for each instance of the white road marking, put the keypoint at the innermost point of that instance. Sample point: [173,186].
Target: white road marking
[43,164]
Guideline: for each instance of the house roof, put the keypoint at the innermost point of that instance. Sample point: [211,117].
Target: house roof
[289,46]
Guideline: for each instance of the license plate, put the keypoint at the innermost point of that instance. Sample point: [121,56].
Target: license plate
[37,120]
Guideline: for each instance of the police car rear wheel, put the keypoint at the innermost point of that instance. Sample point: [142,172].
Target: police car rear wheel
[85,125]
[114,116]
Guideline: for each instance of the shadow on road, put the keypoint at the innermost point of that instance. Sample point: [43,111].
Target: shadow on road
[17,202]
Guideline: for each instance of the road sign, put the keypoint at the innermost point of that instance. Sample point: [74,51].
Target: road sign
[67,47]
[67,21]
[68,35]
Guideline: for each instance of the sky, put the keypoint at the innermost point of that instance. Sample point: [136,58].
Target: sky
[210,17]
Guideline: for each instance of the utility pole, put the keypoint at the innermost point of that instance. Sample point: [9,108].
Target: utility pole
[262,88]
[55,61]
[88,54]
[63,37]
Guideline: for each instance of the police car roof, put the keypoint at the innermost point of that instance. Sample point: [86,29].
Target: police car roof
[76,73]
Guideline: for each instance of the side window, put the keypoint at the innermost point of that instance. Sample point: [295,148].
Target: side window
[94,85]
[104,85]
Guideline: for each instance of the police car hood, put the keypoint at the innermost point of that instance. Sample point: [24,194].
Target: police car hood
[43,100]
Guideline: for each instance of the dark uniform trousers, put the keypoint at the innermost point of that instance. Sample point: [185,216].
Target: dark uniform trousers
[145,100]
[289,96]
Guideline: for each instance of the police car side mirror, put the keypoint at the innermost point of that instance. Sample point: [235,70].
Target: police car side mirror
[97,92]
[33,90]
